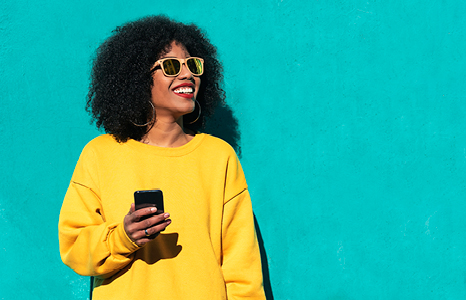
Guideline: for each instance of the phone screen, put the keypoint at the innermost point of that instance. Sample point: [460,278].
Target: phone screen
[149,198]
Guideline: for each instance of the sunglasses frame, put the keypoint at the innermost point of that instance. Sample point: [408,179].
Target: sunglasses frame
[181,61]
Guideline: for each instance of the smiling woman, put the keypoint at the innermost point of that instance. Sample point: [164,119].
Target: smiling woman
[154,82]
[174,92]
[126,67]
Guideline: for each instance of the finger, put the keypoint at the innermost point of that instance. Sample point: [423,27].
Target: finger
[138,225]
[162,226]
[142,237]
[131,209]
[157,228]
[131,215]
[133,220]
[155,219]
[145,211]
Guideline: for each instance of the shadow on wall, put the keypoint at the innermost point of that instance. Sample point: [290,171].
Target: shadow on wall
[265,264]
[224,125]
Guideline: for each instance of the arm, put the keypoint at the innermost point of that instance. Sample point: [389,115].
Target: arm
[241,257]
[88,244]
[91,246]
[241,261]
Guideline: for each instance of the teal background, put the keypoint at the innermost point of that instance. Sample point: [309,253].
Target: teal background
[352,118]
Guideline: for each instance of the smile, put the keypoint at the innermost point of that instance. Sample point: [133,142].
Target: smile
[183,90]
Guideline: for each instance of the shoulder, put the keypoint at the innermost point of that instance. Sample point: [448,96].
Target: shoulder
[101,145]
[102,142]
[220,153]
[101,151]
[217,145]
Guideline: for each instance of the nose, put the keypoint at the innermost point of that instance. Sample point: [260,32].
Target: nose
[185,73]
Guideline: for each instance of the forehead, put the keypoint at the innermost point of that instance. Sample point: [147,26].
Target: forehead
[175,49]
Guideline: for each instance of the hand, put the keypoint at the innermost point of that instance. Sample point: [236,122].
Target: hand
[136,228]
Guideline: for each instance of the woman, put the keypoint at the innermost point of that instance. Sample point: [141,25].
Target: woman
[154,81]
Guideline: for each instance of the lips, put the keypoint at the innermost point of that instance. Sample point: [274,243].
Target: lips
[185,90]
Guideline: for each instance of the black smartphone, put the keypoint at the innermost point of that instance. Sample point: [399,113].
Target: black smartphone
[149,198]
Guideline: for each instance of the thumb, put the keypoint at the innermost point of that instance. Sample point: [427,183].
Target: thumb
[131,209]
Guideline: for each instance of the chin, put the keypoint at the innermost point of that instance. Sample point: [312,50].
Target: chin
[186,110]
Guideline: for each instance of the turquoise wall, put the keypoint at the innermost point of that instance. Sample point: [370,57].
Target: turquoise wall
[352,117]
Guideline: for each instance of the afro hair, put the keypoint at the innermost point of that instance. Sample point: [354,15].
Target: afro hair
[121,80]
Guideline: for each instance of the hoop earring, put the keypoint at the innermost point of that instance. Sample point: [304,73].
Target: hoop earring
[151,120]
[195,109]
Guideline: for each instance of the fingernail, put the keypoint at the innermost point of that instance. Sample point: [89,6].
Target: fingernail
[153,209]
[166,215]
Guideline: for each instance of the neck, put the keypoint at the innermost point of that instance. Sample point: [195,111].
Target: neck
[167,134]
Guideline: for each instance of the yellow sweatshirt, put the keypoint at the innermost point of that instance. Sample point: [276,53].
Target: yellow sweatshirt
[210,249]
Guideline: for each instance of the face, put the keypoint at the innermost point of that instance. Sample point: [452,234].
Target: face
[174,97]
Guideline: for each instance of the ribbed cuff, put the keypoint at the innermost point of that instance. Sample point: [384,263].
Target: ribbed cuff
[121,243]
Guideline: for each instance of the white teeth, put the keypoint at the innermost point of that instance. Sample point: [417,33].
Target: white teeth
[184,90]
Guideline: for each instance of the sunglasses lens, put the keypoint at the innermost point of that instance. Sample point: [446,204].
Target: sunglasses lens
[171,67]
[195,65]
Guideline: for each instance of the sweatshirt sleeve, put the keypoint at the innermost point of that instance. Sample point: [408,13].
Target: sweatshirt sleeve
[88,244]
[241,264]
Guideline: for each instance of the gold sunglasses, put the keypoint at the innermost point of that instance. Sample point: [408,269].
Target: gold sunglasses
[171,67]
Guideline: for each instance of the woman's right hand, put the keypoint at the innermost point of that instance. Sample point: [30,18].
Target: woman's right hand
[136,228]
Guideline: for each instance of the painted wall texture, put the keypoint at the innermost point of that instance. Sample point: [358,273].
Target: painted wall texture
[352,122]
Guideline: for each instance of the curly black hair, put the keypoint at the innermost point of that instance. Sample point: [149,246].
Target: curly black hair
[121,80]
